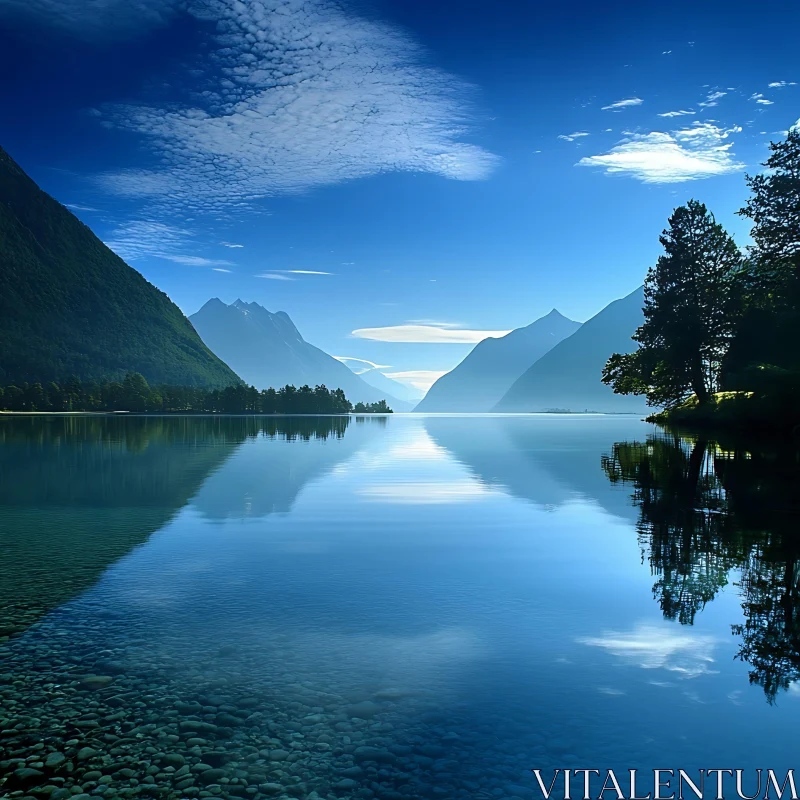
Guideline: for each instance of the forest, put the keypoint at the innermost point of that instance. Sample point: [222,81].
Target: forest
[134,394]
[719,340]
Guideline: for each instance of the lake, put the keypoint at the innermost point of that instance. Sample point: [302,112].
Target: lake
[389,607]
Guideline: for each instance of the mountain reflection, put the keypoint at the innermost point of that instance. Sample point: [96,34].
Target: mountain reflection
[713,512]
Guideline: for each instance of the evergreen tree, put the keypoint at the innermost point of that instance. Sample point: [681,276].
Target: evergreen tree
[689,309]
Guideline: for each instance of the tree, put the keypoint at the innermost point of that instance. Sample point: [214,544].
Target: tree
[690,314]
[774,208]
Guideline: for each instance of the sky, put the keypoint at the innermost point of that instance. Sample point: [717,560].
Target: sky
[402,177]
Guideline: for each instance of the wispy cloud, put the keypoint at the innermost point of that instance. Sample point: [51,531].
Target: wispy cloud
[620,104]
[298,94]
[701,151]
[140,238]
[435,334]
[780,84]
[301,272]
[760,99]
[682,113]
[370,365]
[273,276]
[231,244]
[198,261]
[571,137]
[76,207]
[219,269]
[712,99]
[421,379]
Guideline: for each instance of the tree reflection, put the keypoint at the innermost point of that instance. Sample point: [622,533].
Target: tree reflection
[715,511]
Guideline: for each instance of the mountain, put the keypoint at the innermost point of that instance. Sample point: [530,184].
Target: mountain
[70,306]
[568,377]
[486,374]
[377,379]
[267,350]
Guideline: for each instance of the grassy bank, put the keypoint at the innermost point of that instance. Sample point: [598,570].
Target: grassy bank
[735,411]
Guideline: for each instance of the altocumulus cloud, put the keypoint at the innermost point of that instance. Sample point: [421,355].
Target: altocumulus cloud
[700,151]
[297,94]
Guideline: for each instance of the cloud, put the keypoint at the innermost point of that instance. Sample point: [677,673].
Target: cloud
[140,238]
[760,99]
[571,137]
[681,113]
[780,84]
[434,334]
[689,154]
[712,99]
[95,19]
[428,492]
[650,647]
[198,261]
[273,276]
[301,272]
[620,104]
[371,365]
[293,95]
[219,269]
[231,244]
[421,379]
[74,206]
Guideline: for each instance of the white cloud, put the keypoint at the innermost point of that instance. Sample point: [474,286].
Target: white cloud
[762,101]
[421,379]
[371,365]
[219,269]
[437,333]
[273,276]
[140,238]
[74,206]
[298,94]
[231,244]
[694,153]
[650,647]
[301,272]
[198,261]
[620,104]
[712,99]
[780,84]
[571,137]
[681,113]
[428,493]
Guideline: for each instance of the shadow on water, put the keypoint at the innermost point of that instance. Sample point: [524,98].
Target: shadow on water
[78,493]
[714,512]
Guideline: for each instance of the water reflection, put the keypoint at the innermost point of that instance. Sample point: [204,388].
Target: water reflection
[716,511]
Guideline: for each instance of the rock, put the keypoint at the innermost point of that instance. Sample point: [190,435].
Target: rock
[363,710]
[55,760]
[173,760]
[373,754]
[85,753]
[212,775]
[278,755]
[97,681]
[270,788]
[345,785]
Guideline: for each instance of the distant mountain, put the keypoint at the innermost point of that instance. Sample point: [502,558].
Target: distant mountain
[377,379]
[493,365]
[266,349]
[568,377]
[70,306]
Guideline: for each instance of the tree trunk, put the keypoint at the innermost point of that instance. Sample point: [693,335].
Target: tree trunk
[699,384]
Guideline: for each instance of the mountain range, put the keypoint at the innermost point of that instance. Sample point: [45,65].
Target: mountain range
[568,376]
[267,350]
[69,306]
[493,365]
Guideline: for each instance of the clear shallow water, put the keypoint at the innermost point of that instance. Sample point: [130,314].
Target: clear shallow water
[391,608]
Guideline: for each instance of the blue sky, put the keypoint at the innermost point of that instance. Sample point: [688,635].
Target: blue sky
[385,170]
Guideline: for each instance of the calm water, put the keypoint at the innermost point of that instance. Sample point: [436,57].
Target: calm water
[407,607]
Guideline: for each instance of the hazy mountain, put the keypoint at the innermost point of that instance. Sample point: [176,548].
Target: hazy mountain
[377,379]
[267,350]
[493,365]
[568,377]
[70,306]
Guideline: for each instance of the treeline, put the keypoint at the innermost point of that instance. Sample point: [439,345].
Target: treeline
[719,341]
[136,395]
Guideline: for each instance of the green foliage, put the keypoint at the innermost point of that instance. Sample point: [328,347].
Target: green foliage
[135,394]
[372,408]
[70,306]
[689,309]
